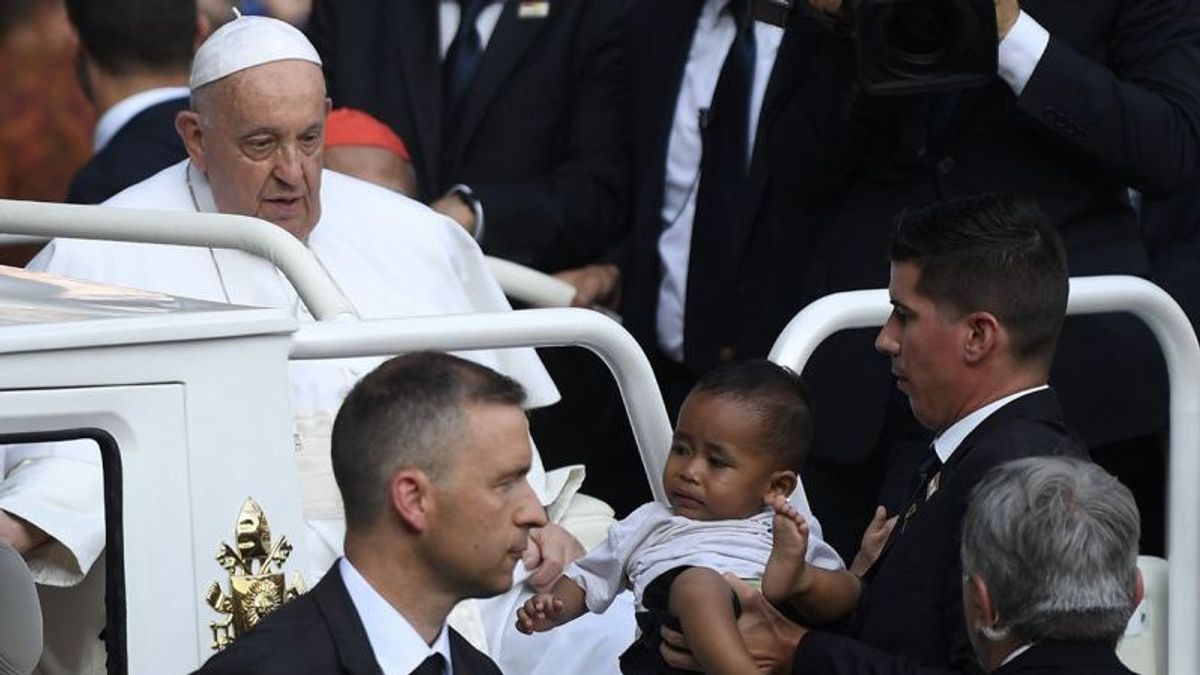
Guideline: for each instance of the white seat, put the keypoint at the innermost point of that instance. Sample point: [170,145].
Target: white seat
[1143,649]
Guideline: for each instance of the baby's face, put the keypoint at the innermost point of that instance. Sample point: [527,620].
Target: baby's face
[717,469]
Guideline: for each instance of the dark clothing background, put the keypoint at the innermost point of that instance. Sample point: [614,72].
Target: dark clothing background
[147,144]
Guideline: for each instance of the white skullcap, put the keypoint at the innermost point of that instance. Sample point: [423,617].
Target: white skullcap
[246,42]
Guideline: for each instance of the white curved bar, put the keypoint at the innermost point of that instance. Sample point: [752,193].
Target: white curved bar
[530,286]
[522,328]
[21,240]
[1089,295]
[257,237]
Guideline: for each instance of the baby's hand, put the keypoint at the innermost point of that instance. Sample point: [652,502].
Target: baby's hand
[540,613]
[873,539]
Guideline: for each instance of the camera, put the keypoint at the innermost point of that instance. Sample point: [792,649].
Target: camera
[912,46]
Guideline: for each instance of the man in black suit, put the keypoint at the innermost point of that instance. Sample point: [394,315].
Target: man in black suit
[430,453]
[979,292]
[1050,588]
[513,116]
[134,60]
[1085,104]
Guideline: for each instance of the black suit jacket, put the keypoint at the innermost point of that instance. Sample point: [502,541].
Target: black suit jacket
[657,40]
[321,633]
[910,615]
[1066,658]
[1114,102]
[146,145]
[541,138]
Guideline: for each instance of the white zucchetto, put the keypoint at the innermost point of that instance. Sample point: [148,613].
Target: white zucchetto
[246,42]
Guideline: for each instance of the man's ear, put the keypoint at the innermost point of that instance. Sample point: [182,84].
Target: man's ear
[982,337]
[187,125]
[1139,589]
[783,483]
[979,608]
[412,500]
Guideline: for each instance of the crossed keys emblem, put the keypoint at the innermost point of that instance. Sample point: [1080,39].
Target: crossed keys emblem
[256,580]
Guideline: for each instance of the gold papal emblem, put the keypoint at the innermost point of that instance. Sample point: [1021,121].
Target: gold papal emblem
[256,581]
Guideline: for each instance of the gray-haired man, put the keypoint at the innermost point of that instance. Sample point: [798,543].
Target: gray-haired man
[1050,572]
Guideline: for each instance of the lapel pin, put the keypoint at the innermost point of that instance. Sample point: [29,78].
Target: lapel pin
[533,9]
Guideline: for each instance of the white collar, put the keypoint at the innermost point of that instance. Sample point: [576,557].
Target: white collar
[398,647]
[119,115]
[949,440]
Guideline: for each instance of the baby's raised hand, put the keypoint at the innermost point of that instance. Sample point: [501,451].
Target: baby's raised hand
[539,613]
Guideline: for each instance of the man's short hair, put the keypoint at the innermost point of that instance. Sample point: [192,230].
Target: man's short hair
[999,254]
[126,37]
[779,398]
[1055,540]
[411,411]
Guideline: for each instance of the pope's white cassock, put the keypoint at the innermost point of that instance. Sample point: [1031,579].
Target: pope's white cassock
[392,257]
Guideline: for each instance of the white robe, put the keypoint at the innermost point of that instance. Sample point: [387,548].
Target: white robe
[392,257]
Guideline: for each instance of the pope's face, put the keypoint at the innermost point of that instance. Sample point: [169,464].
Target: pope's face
[258,137]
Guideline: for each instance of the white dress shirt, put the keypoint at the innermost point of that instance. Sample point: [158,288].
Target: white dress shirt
[449,12]
[715,32]
[398,647]
[1020,52]
[948,441]
[119,115]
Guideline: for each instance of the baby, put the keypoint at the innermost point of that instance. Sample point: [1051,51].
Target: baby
[743,432]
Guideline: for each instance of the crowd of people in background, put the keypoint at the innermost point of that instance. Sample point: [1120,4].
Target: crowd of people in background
[705,176]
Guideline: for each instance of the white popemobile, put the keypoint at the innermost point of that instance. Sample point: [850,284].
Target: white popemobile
[201,493]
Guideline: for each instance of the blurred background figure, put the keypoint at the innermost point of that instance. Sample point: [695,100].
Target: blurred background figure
[359,145]
[47,122]
[294,12]
[134,59]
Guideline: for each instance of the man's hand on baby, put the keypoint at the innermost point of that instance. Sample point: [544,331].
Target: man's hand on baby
[786,574]
[539,613]
[550,550]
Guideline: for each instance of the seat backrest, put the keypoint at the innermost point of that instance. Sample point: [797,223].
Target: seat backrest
[1143,649]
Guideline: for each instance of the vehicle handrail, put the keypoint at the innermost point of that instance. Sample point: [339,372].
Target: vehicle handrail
[1089,295]
[252,235]
[522,328]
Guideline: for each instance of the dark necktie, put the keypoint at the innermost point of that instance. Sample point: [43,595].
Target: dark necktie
[925,484]
[721,196]
[433,664]
[462,59]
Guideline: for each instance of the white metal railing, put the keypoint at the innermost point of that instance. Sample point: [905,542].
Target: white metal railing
[37,222]
[1089,295]
[523,328]
[258,237]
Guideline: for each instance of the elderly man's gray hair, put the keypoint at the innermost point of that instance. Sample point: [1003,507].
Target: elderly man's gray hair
[1055,541]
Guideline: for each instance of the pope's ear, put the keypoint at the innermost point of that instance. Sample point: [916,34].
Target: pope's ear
[187,125]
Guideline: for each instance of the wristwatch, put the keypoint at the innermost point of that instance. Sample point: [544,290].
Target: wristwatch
[468,197]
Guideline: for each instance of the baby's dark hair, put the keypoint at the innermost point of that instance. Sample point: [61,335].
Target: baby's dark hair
[777,395]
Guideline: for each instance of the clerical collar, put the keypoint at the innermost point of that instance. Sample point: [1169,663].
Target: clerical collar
[198,187]
[949,440]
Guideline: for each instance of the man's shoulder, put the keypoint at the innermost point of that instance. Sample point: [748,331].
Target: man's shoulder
[1029,426]
[294,637]
[166,190]
[350,205]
